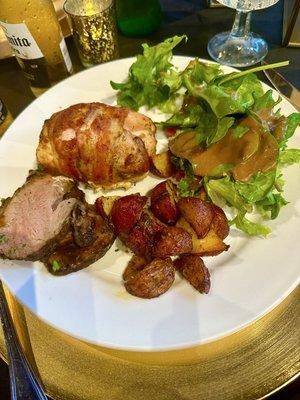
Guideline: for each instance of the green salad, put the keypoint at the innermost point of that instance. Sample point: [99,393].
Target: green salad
[225,134]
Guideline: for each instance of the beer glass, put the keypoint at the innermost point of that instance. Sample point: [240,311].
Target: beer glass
[94,30]
[240,47]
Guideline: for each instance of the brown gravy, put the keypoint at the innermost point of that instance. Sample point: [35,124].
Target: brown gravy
[255,151]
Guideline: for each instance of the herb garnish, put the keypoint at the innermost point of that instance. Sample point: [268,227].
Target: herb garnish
[3,239]
[55,266]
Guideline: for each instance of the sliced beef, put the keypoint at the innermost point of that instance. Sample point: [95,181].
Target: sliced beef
[89,240]
[37,216]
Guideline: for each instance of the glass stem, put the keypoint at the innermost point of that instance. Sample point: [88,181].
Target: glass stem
[241,25]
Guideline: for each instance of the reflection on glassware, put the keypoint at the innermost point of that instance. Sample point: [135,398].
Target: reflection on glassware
[94,30]
[240,47]
[138,18]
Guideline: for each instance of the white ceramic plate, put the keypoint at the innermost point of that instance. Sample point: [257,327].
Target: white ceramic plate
[92,304]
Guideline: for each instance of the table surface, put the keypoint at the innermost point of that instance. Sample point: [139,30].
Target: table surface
[199,27]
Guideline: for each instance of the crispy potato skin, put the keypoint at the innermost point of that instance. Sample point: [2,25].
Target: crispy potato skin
[126,211]
[140,239]
[152,280]
[220,223]
[210,245]
[172,241]
[161,164]
[104,205]
[192,268]
[136,264]
[163,203]
[198,213]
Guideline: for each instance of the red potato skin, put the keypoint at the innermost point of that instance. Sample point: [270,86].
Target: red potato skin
[140,239]
[210,245]
[198,213]
[154,279]
[220,223]
[126,211]
[136,264]
[172,241]
[192,268]
[163,204]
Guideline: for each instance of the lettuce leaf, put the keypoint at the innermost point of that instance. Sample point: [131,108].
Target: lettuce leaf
[249,227]
[289,156]
[225,189]
[257,187]
[233,97]
[197,73]
[188,117]
[152,77]
[270,206]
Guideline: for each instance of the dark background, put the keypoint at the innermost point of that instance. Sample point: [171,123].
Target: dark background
[190,17]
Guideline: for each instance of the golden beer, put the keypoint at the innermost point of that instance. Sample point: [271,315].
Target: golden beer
[34,33]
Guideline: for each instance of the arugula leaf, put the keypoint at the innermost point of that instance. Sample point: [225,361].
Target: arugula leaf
[265,101]
[55,266]
[152,78]
[292,122]
[223,125]
[257,187]
[289,156]
[249,227]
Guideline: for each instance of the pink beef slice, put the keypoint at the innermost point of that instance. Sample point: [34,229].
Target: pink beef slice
[33,220]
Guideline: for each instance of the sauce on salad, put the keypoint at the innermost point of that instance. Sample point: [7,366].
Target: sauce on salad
[256,151]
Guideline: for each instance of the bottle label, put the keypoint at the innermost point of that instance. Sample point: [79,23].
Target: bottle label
[66,56]
[3,112]
[28,54]
[21,41]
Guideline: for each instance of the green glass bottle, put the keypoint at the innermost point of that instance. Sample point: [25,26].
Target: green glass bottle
[138,17]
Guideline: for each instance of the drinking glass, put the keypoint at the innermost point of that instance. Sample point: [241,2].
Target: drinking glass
[94,30]
[240,47]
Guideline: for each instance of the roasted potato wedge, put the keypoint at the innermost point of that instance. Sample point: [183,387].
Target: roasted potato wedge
[192,268]
[172,241]
[198,213]
[104,205]
[162,165]
[163,203]
[140,239]
[220,222]
[126,211]
[210,245]
[136,263]
[152,280]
